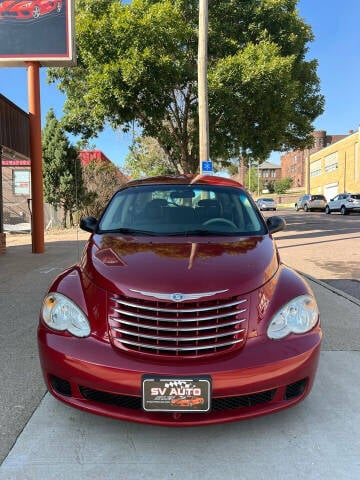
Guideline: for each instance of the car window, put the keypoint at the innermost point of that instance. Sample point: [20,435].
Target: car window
[182,209]
[356,196]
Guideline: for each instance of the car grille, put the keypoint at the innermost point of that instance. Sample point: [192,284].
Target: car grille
[218,404]
[177,329]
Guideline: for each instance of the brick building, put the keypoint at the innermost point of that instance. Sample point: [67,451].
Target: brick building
[16,177]
[336,168]
[14,165]
[96,156]
[268,172]
[293,164]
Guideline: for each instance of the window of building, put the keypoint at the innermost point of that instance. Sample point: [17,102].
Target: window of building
[21,182]
[356,160]
[331,162]
[315,168]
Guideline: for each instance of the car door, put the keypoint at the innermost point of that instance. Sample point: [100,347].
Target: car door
[302,201]
[332,203]
[337,203]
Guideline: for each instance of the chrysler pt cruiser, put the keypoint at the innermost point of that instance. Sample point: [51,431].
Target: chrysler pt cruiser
[180,311]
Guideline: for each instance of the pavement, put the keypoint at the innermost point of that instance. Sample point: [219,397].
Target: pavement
[43,439]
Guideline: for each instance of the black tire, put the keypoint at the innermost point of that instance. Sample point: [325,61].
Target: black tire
[296,207]
[306,208]
[343,210]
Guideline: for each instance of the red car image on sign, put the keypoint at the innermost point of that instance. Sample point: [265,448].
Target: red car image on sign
[187,402]
[180,311]
[32,9]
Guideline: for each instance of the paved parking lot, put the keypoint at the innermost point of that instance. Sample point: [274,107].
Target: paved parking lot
[317,439]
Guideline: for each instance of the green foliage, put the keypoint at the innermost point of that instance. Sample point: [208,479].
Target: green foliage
[282,185]
[252,181]
[63,183]
[146,158]
[101,182]
[138,62]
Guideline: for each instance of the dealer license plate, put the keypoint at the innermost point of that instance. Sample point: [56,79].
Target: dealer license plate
[180,394]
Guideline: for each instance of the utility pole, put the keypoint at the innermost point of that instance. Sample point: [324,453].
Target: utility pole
[204,154]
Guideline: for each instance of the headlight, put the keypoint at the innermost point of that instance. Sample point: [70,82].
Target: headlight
[298,316]
[60,313]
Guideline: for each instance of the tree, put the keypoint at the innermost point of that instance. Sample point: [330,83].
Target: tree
[252,181]
[138,62]
[63,183]
[101,181]
[146,158]
[280,186]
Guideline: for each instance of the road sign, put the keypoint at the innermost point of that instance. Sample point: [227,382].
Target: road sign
[207,167]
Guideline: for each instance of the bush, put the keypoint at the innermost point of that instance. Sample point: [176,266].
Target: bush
[280,186]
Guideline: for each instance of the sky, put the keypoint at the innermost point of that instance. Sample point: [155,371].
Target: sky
[335,25]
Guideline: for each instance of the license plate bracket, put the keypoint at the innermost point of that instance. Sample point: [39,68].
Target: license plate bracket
[176,394]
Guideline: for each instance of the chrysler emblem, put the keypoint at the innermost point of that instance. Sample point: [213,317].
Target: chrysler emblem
[177,297]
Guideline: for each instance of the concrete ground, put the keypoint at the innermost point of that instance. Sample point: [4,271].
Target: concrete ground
[44,439]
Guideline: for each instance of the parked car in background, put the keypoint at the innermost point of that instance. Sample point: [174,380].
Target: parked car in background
[344,203]
[311,202]
[266,203]
[180,293]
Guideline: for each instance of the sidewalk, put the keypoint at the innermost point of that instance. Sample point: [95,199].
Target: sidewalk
[317,439]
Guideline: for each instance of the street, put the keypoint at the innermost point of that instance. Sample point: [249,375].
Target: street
[326,247]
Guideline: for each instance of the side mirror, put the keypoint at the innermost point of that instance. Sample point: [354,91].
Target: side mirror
[88,224]
[275,224]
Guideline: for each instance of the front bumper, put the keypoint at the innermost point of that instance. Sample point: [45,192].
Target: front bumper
[263,377]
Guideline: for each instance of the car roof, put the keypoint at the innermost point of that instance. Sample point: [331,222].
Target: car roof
[185,179]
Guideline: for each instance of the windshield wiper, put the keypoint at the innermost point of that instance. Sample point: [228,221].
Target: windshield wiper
[204,232]
[129,231]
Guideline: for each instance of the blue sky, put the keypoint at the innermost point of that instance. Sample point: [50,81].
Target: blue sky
[336,46]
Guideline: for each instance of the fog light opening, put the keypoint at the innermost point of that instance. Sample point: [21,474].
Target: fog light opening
[295,389]
[60,386]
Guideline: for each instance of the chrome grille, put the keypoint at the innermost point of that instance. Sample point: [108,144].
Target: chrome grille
[177,329]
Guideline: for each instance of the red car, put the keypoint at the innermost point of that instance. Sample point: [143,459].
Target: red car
[180,291]
[29,9]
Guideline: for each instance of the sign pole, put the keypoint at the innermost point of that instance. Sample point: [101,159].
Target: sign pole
[36,158]
[202,84]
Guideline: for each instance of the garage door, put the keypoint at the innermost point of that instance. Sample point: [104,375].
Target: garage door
[331,190]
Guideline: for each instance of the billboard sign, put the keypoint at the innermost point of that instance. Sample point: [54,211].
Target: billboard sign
[37,30]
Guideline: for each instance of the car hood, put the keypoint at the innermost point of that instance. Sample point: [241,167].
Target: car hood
[173,265]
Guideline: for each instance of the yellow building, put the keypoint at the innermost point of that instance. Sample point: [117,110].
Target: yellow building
[336,168]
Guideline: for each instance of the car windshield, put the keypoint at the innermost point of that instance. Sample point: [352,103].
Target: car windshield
[270,200]
[175,209]
[318,197]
